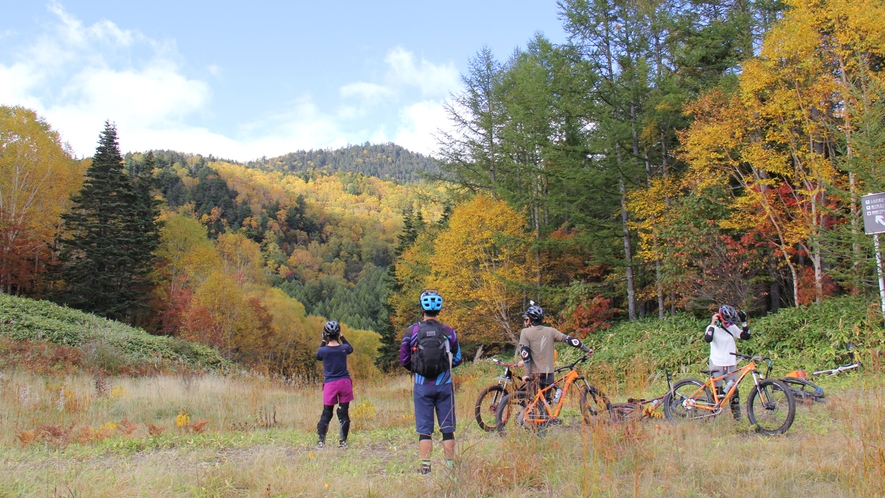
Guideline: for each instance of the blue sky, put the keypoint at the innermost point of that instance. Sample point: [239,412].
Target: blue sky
[241,80]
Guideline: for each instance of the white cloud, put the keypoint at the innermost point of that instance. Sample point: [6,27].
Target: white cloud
[432,79]
[367,91]
[15,82]
[420,123]
[151,95]
[368,96]
[299,125]
[78,76]
[73,33]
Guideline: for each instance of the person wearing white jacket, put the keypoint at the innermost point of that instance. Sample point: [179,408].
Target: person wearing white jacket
[722,334]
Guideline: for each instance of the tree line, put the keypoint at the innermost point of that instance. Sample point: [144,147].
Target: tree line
[247,261]
[670,156]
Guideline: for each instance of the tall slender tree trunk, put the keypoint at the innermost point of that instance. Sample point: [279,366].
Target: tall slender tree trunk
[628,251]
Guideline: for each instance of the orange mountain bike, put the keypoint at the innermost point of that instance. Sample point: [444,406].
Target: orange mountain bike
[770,406]
[537,408]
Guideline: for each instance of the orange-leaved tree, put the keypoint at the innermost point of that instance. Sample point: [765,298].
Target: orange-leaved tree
[37,177]
[186,258]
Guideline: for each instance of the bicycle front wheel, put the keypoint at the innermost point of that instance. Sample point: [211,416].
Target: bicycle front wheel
[689,399]
[771,407]
[593,403]
[486,410]
[804,390]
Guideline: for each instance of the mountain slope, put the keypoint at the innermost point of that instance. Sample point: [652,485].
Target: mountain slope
[385,161]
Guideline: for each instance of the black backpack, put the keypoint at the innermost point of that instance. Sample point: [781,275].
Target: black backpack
[430,353]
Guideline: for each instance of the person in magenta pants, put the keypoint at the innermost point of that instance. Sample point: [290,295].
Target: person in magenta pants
[337,386]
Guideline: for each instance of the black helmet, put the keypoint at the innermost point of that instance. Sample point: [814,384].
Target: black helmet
[431,301]
[534,313]
[331,330]
[729,314]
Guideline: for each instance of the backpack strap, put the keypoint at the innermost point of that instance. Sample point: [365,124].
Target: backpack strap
[412,339]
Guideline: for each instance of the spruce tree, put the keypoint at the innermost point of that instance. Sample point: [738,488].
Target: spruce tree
[111,233]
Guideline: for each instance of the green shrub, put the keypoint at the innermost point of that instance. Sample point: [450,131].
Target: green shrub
[808,337]
[106,344]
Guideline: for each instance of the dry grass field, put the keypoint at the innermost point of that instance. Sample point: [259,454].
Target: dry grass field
[205,435]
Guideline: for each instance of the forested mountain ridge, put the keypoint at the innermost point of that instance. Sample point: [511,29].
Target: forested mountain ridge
[326,240]
[385,161]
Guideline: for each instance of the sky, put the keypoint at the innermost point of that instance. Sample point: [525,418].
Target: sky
[244,80]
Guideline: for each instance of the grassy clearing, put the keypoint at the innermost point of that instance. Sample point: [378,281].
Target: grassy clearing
[209,435]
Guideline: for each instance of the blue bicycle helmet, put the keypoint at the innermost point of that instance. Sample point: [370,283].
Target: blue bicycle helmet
[331,329]
[431,301]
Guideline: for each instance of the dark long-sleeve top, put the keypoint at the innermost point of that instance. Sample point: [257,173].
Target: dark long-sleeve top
[405,353]
[334,360]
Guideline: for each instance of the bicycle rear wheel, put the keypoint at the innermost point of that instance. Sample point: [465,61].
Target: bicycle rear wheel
[623,411]
[487,407]
[593,403]
[804,390]
[512,407]
[683,400]
[771,407]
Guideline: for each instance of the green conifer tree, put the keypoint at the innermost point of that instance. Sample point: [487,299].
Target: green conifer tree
[111,232]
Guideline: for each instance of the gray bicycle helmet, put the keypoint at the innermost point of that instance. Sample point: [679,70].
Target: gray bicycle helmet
[729,314]
[534,313]
[331,330]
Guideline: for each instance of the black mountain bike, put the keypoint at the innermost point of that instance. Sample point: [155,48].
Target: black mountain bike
[488,400]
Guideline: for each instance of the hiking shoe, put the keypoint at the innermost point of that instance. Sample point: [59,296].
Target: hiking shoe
[321,445]
[424,470]
[342,444]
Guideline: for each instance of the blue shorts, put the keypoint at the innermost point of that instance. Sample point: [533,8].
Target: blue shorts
[430,399]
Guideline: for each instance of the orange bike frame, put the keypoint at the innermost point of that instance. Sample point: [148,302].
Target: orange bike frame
[719,401]
[569,379]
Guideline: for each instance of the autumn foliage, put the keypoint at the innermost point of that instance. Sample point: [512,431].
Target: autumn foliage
[606,178]
[37,176]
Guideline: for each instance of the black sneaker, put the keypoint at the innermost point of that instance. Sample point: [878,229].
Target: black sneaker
[342,444]
[321,445]
[424,470]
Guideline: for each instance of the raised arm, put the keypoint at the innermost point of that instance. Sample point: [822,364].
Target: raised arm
[745,326]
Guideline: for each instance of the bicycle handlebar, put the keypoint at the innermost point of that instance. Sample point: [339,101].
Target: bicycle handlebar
[503,364]
[752,358]
[571,366]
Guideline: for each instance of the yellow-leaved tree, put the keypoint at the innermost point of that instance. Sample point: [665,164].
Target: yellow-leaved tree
[480,267]
[779,138]
[37,177]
